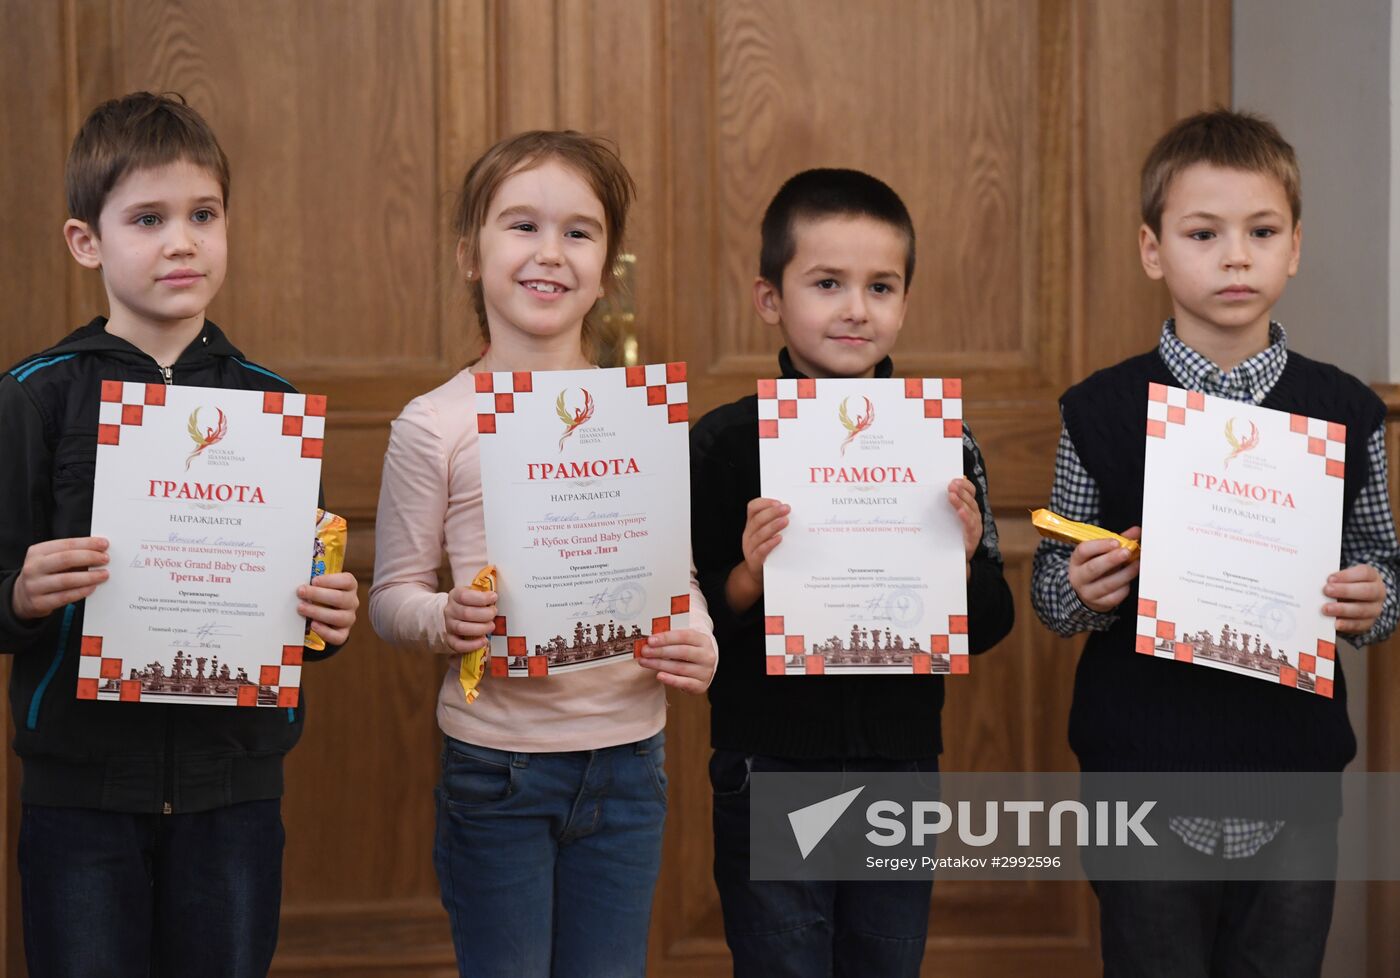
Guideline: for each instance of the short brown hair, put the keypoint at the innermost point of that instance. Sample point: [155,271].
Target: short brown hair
[815,194]
[1223,138]
[596,161]
[136,131]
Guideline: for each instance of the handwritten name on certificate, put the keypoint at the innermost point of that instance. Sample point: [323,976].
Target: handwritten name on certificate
[1241,524]
[208,498]
[869,576]
[585,480]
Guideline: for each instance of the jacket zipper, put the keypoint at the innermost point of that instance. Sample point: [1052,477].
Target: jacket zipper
[167,807]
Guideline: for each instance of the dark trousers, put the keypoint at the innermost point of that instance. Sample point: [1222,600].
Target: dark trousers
[1236,928]
[134,896]
[794,929]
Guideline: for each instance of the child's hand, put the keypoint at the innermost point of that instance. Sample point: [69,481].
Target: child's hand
[470,616]
[684,658]
[1358,595]
[1100,571]
[56,573]
[964,499]
[762,532]
[330,601]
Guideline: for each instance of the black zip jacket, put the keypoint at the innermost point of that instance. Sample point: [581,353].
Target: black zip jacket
[93,754]
[895,717]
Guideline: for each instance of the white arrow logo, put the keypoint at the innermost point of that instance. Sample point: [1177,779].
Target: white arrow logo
[811,824]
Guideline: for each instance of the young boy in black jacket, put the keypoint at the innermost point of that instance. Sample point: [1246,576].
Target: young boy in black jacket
[834,272]
[151,835]
[1220,227]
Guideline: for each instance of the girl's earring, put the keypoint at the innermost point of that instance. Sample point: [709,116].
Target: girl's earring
[601,292]
[470,274]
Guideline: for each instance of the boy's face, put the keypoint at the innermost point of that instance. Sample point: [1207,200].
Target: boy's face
[540,252]
[843,297]
[161,242]
[1228,246]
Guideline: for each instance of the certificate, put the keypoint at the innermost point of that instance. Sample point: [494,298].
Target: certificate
[870,575]
[1241,524]
[585,481]
[208,499]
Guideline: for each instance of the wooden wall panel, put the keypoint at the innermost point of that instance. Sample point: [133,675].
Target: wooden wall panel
[1023,193]
[33,266]
[1146,66]
[348,127]
[1014,130]
[327,113]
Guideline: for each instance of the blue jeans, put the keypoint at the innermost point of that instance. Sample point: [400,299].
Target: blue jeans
[547,862]
[116,895]
[795,929]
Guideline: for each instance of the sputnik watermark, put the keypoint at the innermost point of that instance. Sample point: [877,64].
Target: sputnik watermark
[1112,822]
[860,824]
[929,819]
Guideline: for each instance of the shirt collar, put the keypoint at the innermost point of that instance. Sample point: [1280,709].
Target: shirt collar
[1250,380]
[885,368]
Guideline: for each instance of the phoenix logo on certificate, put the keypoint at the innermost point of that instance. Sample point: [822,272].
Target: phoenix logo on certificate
[208,500]
[585,478]
[870,576]
[1241,524]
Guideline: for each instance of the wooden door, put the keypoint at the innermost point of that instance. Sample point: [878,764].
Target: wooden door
[1013,129]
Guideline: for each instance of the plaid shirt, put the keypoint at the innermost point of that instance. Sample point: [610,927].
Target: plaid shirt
[1368,537]
[990,539]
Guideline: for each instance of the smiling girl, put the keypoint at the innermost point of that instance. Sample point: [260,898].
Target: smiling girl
[553,791]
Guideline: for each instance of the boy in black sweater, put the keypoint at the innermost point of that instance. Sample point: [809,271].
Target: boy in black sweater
[1220,210]
[151,835]
[837,259]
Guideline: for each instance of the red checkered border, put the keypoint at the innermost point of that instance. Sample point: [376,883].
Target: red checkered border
[779,400]
[1169,406]
[1327,439]
[664,385]
[303,416]
[125,404]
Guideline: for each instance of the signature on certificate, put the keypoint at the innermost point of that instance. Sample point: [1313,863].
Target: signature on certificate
[899,607]
[625,600]
[205,636]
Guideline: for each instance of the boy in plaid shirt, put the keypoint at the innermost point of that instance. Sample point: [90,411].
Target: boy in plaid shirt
[1220,208]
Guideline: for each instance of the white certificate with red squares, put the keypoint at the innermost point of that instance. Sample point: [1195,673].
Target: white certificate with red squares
[1241,524]
[208,498]
[585,480]
[870,576]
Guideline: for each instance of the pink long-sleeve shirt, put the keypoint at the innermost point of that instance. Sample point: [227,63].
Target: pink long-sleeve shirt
[430,503]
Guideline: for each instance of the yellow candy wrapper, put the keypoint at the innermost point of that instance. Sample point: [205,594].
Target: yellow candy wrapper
[1056,527]
[327,557]
[474,663]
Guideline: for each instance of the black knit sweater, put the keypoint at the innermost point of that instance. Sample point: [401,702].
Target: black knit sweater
[1134,712]
[894,717]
